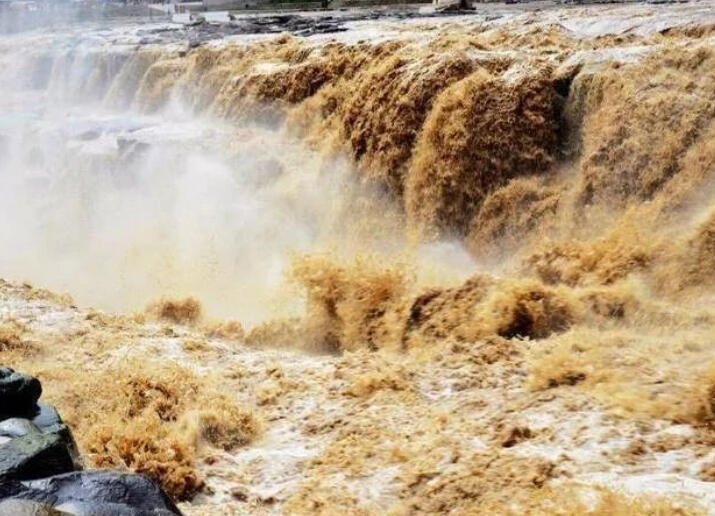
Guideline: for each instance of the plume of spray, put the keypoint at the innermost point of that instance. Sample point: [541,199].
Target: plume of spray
[118,209]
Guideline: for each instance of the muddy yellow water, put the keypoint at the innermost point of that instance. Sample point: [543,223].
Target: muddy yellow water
[449,266]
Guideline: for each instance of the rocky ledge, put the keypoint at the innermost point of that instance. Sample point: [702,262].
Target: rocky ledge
[41,471]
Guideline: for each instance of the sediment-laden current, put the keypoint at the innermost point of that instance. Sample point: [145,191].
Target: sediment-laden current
[461,265]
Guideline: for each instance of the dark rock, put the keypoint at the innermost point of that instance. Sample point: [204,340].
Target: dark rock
[19,443]
[45,417]
[36,455]
[27,508]
[18,392]
[17,427]
[97,493]
[108,509]
[39,464]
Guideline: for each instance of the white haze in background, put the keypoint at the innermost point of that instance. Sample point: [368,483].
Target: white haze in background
[118,208]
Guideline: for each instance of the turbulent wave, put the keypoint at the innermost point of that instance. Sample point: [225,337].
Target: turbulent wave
[565,168]
[477,186]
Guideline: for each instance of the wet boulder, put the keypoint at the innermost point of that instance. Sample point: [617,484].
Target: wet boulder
[96,493]
[34,442]
[18,392]
[33,454]
[27,508]
[16,427]
[40,468]
[44,416]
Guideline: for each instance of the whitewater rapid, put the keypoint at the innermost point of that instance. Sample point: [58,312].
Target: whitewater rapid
[118,206]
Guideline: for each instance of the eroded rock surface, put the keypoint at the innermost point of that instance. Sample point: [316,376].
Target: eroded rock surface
[17,391]
[98,493]
[41,470]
